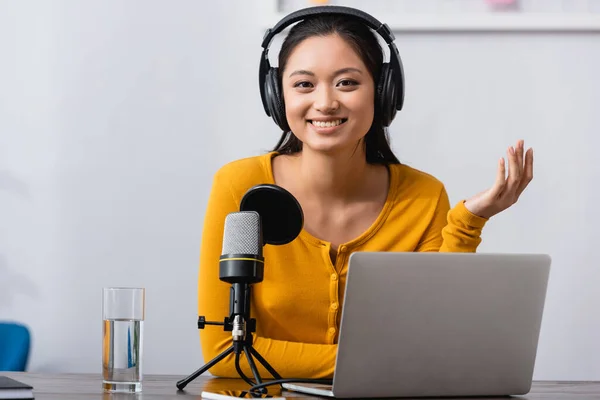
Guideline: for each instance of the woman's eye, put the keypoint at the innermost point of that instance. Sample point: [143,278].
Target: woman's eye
[347,82]
[303,85]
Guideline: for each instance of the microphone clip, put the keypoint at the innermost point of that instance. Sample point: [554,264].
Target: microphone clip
[227,324]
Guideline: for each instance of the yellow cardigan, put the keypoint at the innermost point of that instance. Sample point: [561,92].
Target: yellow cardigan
[298,304]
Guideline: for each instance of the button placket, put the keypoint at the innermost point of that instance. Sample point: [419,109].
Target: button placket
[334,305]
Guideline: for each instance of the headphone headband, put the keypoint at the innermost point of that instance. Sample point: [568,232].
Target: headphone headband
[381,28]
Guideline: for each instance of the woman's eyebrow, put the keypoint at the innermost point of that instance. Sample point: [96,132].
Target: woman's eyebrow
[339,71]
[301,72]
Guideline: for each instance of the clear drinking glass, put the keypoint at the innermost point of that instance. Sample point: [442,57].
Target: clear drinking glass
[123,312]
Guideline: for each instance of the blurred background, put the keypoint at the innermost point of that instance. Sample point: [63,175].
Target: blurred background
[115,115]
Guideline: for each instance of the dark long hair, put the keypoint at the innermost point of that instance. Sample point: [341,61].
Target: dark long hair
[364,42]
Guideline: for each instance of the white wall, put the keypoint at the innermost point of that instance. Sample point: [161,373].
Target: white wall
[114,116]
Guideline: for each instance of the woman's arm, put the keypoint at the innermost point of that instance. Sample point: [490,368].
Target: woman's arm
[452,230]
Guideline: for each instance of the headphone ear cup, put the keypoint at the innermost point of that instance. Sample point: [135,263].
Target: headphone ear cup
[386,93]
[274,100]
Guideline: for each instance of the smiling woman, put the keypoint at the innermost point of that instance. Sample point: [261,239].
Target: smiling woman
[333,97]
[328,108]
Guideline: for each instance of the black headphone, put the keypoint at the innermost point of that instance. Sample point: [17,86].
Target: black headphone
[390,85]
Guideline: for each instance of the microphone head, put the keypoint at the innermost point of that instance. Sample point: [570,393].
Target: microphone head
[281,214]
[243,233]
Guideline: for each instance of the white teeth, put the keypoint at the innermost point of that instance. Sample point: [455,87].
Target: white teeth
[327,124]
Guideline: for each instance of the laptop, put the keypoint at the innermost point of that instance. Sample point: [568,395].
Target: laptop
[437,325]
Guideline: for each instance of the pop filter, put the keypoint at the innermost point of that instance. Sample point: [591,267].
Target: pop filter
[281,215]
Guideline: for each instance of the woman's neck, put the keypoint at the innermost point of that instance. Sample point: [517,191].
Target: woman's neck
[332,177]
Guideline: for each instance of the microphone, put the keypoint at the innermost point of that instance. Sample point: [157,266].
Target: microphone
[268,214]
[241,260]
[241,264]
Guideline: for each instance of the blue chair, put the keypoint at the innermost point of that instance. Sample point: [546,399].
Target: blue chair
[15,342]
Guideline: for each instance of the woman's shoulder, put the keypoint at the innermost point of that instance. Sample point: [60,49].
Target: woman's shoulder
[413,178]
[245,172]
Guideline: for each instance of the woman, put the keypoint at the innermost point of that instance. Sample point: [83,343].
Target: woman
[355,195]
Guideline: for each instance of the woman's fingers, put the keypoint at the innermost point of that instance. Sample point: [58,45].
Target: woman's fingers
[519,149]
[513,170]
[500,183]
[527,172]
[515,173]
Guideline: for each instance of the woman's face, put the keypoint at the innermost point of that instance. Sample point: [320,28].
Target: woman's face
[328,93]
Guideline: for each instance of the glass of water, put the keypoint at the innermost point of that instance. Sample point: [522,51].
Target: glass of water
[123,312]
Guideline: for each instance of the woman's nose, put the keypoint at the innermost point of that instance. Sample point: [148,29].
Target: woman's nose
[325,101]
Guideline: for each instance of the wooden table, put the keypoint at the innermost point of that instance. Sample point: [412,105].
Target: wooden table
[89,386]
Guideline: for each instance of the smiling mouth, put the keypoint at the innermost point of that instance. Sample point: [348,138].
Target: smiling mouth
[328,124]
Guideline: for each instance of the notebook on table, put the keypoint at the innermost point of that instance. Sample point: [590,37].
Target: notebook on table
[13,389]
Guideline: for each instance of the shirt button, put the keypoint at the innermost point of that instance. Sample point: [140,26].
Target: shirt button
[342,249]
[334,306]
[334,277]
[331,331]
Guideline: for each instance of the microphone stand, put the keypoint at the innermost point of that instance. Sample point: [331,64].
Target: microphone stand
[241,327]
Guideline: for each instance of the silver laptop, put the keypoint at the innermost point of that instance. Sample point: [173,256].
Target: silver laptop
[438,324]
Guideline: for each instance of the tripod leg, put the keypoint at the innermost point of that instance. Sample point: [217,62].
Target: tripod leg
[252,365]
[183,383]
[265,363]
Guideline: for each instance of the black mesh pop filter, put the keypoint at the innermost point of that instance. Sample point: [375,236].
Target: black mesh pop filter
[281,215]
